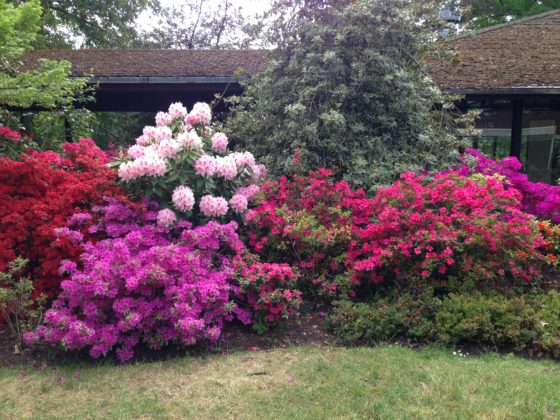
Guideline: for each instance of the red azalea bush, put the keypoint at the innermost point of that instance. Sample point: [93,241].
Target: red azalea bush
[268,289]
[448,230]
[306,221]
[538,198]
[38,195]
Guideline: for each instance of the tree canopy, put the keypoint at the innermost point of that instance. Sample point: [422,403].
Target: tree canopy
[346,88]
[47,86]
[89,23]
[200,24]
[485,13]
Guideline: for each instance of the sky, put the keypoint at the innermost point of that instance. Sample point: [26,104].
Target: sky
[249,8]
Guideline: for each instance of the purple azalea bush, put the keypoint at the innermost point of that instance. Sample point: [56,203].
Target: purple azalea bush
[538,198]
[144,282]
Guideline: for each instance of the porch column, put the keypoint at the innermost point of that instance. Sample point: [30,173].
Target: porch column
[516,127]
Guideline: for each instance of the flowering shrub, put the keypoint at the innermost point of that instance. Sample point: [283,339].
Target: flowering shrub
[37,196]
[306,222]
[184,165]
[17,308]
[449,230]
[13,143]
[144,283]
[538,198]
[269,289]
[551,245]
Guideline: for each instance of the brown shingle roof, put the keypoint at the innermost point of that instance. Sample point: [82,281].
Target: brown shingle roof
[145,62]
[520,54]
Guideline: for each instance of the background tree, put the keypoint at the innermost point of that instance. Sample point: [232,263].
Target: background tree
[90,23]
[202,24]
[46,87]
[346,88]
[485,13]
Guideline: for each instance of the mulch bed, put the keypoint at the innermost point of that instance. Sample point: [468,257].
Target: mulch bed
[310,329]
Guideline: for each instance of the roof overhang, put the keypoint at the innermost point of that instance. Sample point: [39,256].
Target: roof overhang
[553,90]
[141,80]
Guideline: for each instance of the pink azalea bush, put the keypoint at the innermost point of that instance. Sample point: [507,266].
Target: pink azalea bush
[306,221]
[185,166]
[447,230]
[144,283]
[538,198]
[269,290]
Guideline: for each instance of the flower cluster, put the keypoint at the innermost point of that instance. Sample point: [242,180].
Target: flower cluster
[6,133]
[268,288]
[37,197]
[144,283]
[538,198]
[183,164]
[449,230]
[551,245]
[306,222]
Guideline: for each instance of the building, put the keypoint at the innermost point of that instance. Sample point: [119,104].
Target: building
[511,72]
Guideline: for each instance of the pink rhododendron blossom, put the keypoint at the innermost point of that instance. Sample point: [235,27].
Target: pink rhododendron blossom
[243,158]
[190,140]
[148,165]
[200,114]
[226,167]
[136,151]
[259,171]
[163,119]
[205,166]
[168,148]
[183,198]
[143,140]
[219,142]
[238,203]
[213,206]
[166,218]
[163,133]
[249,191]
[177,110]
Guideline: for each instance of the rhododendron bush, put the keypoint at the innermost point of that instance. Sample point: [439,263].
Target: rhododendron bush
[538,198]
[186,166]
[446,230]
[37,197]
[144,283]
[306,221]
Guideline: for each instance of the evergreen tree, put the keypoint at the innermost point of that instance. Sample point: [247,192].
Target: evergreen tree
[346,88]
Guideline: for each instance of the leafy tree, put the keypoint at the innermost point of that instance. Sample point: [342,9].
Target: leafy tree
[48,86]
[346,88]
[89,23]
[485,13]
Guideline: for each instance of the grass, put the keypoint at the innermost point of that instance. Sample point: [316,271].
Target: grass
[300,382]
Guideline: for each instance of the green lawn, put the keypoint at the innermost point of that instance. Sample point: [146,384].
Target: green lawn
[299,382]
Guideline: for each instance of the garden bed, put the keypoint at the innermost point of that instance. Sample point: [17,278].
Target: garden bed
[309,330]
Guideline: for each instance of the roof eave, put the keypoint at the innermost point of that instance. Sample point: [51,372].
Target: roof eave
[134,80]
[553,90]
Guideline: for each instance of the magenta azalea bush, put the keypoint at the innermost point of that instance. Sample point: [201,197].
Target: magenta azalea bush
[144,283]
[186,166]
[538,198]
